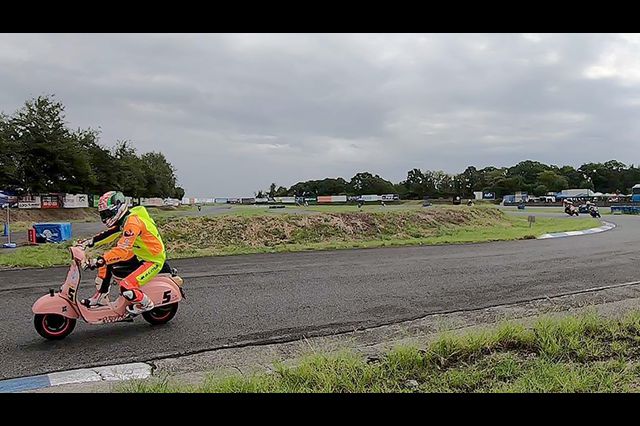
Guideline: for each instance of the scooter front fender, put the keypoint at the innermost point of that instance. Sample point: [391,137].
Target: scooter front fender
[55,304]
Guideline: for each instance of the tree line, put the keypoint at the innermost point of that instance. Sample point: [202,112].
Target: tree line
[39,153]
[529,176]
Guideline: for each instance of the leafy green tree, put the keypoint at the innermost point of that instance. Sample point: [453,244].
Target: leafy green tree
[471,180]
[573,176]
[327,186]
[366,183]
[159,175]
[178,193]
[104,170]
[272,190]
[47,156]
[528,170]
[540,190]
[38,153]
[131,176]
[417,185]
[552,181]
[9,162]
[281,192]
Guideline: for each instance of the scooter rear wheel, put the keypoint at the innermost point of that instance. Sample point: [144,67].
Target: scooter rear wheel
[53,326]
[161,314]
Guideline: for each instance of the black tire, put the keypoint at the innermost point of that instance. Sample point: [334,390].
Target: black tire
[53,326]
[161,314]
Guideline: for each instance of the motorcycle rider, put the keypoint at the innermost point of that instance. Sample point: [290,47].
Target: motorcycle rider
[593,209]
[569,208]
[139,253]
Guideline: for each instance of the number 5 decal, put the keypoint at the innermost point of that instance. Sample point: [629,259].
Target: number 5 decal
[166,296]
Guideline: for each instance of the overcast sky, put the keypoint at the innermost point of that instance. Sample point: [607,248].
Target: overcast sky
[235,112]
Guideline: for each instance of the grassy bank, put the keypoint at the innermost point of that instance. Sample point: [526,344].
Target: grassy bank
[575,354]
[40,256]
[243,234]
[206,236]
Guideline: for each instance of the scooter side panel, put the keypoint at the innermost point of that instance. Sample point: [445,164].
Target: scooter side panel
[162,291]
[54,305]
[113,312]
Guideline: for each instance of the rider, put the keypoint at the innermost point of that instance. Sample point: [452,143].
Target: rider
[139,253]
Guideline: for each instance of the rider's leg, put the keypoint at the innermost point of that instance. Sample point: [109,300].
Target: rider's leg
[130,287]
[103,280]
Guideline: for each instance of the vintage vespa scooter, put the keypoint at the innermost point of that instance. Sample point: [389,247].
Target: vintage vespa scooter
[57,312]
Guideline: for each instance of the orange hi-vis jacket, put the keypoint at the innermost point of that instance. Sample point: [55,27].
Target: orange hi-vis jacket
[139,237]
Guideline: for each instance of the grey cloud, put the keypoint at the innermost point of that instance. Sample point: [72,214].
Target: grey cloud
[234,112]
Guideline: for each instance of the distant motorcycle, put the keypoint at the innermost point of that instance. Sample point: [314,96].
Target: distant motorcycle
[571,210]
[593,211]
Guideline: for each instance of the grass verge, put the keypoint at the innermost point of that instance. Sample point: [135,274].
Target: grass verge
[586,353]
[40,256]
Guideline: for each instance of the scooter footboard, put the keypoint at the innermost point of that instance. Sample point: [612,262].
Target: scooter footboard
[162,291]
[55,304]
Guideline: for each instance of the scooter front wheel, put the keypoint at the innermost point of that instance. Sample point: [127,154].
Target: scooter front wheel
[53,326]
[161,314]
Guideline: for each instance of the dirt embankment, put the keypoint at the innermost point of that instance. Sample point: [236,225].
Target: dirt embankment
[54,215]
[196,233]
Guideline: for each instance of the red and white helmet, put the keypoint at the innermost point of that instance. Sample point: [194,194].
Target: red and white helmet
[112,207]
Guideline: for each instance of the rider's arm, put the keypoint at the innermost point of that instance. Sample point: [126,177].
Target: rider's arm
[124,249]
[105,237]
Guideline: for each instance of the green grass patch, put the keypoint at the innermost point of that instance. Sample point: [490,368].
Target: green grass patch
[40,256]
[20,226]
[585,353]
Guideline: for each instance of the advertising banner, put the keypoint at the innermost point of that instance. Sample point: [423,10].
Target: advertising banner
[171,202]
[51,201]
[75,201]
[286,200]
[489,196]
[152,202]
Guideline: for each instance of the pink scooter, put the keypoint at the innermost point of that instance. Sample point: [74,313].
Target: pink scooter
[56,313]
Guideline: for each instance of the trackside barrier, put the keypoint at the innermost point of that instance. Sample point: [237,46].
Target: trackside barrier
[625,209]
